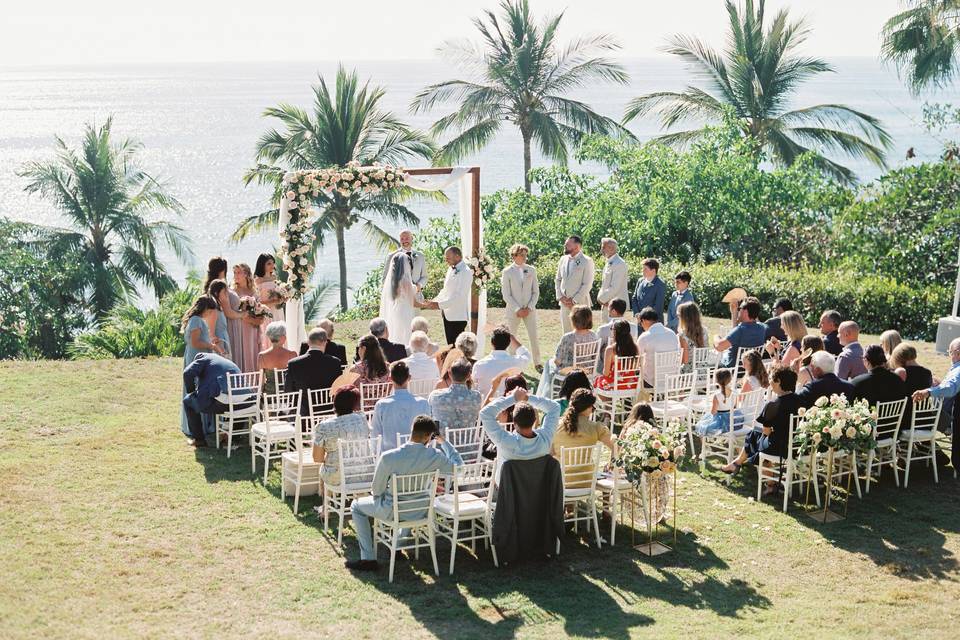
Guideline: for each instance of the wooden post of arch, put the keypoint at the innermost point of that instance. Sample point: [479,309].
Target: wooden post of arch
[474,223]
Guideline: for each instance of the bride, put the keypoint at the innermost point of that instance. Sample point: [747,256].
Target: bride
[397,297]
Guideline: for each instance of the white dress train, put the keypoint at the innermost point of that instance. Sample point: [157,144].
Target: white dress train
[398,311]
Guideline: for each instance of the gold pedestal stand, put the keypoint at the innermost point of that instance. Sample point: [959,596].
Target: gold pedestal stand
[652,547]
[825,515]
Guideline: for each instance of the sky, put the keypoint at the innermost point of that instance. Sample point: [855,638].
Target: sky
[92,32]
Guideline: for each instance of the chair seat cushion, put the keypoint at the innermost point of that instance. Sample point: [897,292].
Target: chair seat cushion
[470,505]
[670,409]
[606,484]
[918,435]
[576,493]
[290,457]
[278,430]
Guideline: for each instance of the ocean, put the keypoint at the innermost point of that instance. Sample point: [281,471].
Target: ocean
[199,124]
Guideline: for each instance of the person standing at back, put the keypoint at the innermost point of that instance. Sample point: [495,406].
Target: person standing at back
[680,295]
[574,280]
[650,291]
[520,288]
[613,285]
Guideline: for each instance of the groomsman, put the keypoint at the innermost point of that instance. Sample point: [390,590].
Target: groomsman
[574,280]
[650,291]
[521,290]
[680,295]
[418,264]
[454,298]
[613,286]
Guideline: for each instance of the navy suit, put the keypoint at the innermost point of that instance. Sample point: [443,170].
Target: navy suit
[313,370]
[205,379]
[828,385]
[649,294]
[831,343]
[880,385]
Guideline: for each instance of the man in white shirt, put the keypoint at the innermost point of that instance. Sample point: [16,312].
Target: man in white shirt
[618,308]
[574,280]
[656,338]
[613,286]
[521,290]
[422,366]
[454,298]
[499,360]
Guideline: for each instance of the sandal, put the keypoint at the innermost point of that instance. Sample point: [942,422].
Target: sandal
[731,469]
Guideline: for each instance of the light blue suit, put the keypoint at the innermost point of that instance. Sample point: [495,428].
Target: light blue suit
[411,458]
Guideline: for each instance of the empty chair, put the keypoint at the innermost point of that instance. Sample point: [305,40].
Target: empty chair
[889,417]
[358,461]
[665,363]
[672,404]
[297,467]
[919,440]
[578,468]
[413,513]
[468,442]
[371,393]
[467,502]
[321,403]
[273,435]
[243,406]
[614,490]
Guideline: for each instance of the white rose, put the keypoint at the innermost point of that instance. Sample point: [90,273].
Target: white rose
[291,195]
[303,261]
[835,432]
[851,432]
[822,401]
[817,438]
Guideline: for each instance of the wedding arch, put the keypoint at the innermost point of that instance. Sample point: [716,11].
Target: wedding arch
[295,222]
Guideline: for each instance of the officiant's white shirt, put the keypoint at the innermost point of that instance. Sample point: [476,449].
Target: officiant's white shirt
[454,297]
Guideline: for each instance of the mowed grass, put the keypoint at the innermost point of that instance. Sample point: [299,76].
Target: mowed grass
[111,527]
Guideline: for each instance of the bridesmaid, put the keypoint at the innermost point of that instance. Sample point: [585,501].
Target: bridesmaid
[217,270]
[247,344]
[221,295]
[197,329]
[266,280]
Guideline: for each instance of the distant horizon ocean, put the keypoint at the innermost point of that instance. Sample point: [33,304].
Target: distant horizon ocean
[199,124]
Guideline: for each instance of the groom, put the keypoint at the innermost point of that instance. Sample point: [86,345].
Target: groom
[454,298]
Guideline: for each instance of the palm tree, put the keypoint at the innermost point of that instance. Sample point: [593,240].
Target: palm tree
[344,127]
[111,206]
[520,77]
[924,40]
[756,76]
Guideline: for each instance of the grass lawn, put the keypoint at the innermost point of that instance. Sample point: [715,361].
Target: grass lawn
[111,527]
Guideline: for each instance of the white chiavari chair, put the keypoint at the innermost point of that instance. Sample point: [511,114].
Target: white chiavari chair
[617,401]
[356,460]
[321,403]
[468,441]
[467,503]
[790,472]
[919,440]
[423,387]
[413,512]
[297,466]
[725,445]
[273,435]
[371,393]
[889,418]
[578,468]
[585,355]
[243,406]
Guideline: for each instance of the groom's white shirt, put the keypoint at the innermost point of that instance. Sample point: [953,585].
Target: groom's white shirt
[454,297]
[575,278]
[520,287]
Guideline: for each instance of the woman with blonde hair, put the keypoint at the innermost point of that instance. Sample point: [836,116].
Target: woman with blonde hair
[578,429]
[245,333]
[796,329]
[889,340]
[581,317]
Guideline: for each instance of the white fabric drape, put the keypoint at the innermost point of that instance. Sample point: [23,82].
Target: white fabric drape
[296,325]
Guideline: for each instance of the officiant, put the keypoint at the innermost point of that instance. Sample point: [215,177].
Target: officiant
[418,264]
[453,301]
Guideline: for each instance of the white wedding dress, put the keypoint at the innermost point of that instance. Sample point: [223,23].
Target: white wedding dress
[396,298]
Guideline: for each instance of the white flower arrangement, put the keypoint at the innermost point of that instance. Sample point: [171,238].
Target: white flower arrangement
[834,423]
[651,451]
[483,270]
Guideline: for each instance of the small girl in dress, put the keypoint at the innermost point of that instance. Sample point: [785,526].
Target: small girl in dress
[718,420]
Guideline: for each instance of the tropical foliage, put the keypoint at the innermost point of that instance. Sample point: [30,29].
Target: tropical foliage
[757,75]
[924,42]
[346,125]
[520,74]
[111,207]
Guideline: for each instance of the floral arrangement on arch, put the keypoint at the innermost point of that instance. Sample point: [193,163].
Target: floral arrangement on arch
[483,270]
[650,451]
[835,423]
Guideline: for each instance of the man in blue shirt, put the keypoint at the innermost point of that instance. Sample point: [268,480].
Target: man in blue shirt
[949,388]
[680,295]
[527,442]
[749,333]
[650,291]
[394,414]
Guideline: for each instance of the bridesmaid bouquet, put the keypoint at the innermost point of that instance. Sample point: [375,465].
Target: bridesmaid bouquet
[253,308]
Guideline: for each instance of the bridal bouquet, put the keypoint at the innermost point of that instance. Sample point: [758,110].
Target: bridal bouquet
[834,423]
[646,450]
[483,270]
[253,308]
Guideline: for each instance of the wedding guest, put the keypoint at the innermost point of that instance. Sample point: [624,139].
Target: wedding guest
[878,384]
[795,329]
[457,406]
[205,390]
[315,369]
[371,364]
[197,329]
[721,404]
[825,382]
[578,429]
[650,290]
[613,283]
[748,334]
[246,346]
[773,437]
[889,340]
[692,334]
[755,373]
[229,304]
[422,366]
[394,414]
[413,457]
[622,345]
[948,389]
[829,329]
[774,329]
[348,423]
[527,441]
[573,281]
[392,351]
[265,277]
[574,380]
[641,413]
[520,287]
[850,361]
[581,318]
[681,294]
[453,301]
[420,323]
[617,308]
[656,338]
[276,358]
[812,344]
[499,359]
[336,350]
[444,367]
[904,361]
[466,342]
[509,384]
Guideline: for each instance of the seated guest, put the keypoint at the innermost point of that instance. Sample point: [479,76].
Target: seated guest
[889,340]
[205,384]
[466,342]
[371,364]
[313,370]
[774,326]
[749,333]
[457,406]
[796,330]
[394,414]
[772,439]
[829,329]
[526,442]
[850,361]
[825,382]
[276,357]
[509,384]
[582,319]
[499,359]
[641,413]
[444,367]
[681,294]
[904,361]
[616,309]
[622,346]
[421,365]
[577,429]
[391,350]
[575,380]
[948,389]
[692,334]
[755,373]
[336,350]
[420,324]
[802,365]
[656,338]
[413,457]
[721,404]
[878,384]
[348,424]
